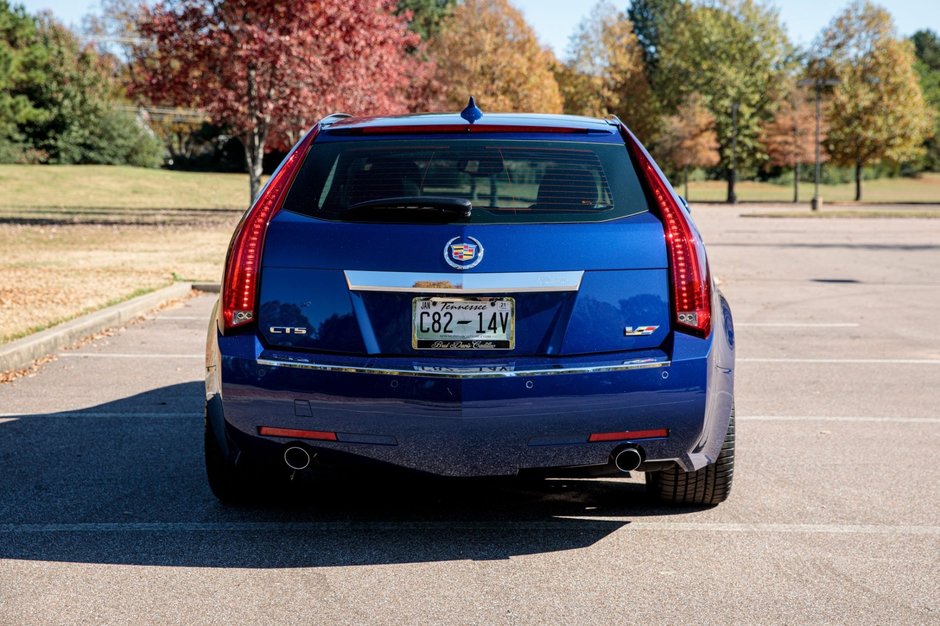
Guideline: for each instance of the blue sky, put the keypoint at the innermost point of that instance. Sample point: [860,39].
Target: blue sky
[554,20]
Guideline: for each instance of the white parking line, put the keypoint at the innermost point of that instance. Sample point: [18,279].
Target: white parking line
[6,417]
[202,318]
[575,524]
[124,355]
[120,355]
[796,324]
[844,361]
[839,418]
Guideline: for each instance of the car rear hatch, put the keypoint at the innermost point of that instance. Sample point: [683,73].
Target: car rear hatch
[559,256]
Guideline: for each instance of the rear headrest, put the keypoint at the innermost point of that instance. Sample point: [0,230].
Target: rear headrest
[571,187]
[384,179]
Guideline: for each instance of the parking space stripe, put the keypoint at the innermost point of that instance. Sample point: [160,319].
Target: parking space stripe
[795,325]
[7,417]
[839,418]
[201,318]
[124,355]
[843,361]
[573,524]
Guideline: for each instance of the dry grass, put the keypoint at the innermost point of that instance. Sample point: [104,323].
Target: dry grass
[54,273]
[78,238]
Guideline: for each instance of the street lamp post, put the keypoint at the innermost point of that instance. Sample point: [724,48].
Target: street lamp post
[732,194]
[818,84]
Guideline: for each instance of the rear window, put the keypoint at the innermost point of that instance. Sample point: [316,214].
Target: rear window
[504,180]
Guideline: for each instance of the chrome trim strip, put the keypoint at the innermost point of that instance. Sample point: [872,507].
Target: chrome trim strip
[421,282]
[638,364]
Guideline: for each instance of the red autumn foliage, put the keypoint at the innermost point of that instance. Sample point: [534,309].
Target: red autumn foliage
[268,69]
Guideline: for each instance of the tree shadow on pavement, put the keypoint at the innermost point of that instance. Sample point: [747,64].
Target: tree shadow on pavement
[124,483]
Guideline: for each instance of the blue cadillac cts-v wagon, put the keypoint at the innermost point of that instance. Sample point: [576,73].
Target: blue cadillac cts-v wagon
[470,295]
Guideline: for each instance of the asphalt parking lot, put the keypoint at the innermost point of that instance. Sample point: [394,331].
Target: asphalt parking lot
[105,516]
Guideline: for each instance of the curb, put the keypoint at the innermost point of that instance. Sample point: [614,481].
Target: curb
[22,352]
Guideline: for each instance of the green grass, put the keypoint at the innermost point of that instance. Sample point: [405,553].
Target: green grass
[925,188]
[118,187]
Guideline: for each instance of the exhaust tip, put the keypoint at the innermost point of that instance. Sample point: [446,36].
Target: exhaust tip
[296,458]
[627,459]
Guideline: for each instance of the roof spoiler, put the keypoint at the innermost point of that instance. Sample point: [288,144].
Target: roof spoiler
[332,118]
[463,129]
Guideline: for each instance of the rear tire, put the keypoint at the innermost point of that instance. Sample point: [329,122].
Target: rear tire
[707,486]
[225,481]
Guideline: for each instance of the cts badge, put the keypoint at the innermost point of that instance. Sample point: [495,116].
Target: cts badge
[463,253]
[287,330]
[639,331]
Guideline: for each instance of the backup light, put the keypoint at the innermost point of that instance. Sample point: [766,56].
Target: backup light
[243,263]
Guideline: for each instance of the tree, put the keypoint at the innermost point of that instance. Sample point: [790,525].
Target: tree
[789,138]
[735,54]
[18,43]
[426,16]
[487,50]
[115,27]
[114,30]
[604,73]
[927,49]
[689,139]
[61,101]
[877,112]
[651,19]
[267,69]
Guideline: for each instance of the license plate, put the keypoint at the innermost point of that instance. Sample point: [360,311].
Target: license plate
[463,323]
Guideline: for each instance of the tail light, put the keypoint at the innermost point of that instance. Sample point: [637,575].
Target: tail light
[243,263]
[691,283]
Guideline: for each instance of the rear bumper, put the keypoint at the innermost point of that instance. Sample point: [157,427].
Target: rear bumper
[481,419]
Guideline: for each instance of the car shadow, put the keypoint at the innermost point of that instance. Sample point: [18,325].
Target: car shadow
[124,483]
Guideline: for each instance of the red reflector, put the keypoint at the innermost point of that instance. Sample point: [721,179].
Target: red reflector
[630,434]
[295,433]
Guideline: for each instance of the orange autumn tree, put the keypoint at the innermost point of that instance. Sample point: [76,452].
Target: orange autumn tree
[789,138]
[604,73]
[487,50]
[689,138]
